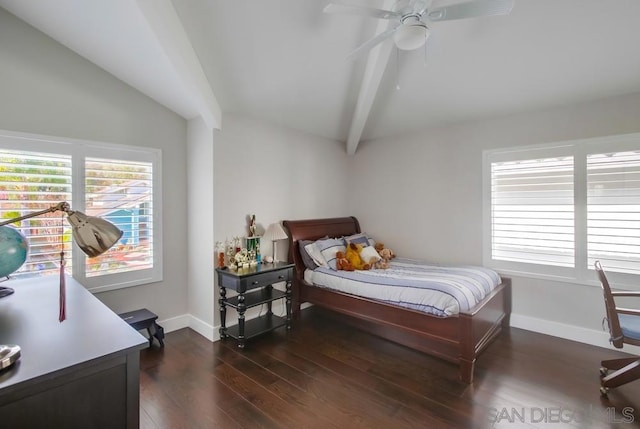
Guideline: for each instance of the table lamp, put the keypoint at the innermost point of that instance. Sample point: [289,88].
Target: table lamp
[275,232]
[93,235]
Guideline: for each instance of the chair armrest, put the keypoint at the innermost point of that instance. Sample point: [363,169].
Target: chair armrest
[631,311]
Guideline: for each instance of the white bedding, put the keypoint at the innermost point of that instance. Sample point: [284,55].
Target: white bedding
[467,284]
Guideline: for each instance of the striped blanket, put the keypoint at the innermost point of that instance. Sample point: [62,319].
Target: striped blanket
[439,290]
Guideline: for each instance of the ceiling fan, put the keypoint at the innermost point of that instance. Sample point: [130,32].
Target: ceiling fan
[410,30]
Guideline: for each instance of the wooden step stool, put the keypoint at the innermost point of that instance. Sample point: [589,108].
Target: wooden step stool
[144,319]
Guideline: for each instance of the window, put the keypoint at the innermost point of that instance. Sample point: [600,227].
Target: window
[121,192]
[532,214]
[30,182]
[553,210]
[117,183]
[613,210]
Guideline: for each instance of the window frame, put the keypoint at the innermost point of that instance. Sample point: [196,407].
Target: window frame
[79,150]
[581,273]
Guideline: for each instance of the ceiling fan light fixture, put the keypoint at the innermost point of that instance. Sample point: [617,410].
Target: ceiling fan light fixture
[410,36]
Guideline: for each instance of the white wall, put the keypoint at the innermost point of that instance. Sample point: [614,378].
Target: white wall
[47,89]
[422,195]
[200,219]
[277,174]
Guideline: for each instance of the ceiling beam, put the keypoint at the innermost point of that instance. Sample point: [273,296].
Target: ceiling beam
[376,65]
[166,25]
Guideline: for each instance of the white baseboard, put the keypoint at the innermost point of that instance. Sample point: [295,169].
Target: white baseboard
[175,323]
[208,331]
[188,321]
[568,332]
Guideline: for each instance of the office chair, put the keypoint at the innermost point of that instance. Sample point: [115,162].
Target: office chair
[624,328]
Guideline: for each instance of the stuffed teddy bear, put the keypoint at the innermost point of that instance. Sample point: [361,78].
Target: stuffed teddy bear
[385,256]
[353,256]
[342,263]
[388,253]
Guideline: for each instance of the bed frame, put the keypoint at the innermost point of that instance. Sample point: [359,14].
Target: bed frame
[458,339]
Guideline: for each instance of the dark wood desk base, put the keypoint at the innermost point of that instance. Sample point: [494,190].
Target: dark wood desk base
[80,373]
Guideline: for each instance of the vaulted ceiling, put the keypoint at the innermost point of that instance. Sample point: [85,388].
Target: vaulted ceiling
[284,61]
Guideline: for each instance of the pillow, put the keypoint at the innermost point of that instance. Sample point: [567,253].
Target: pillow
[328,248]
[306,258]
[360,238]
[313,251]
[368,253]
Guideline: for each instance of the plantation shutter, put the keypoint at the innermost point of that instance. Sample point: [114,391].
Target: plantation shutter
[613,211]
[532,211]
[31,182]
[122,193]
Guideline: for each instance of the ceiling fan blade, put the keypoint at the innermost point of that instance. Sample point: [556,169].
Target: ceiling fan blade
[419,5]
[360,10]
[471,9]
[373,42]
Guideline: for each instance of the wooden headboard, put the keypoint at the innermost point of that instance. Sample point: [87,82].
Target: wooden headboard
[313,229]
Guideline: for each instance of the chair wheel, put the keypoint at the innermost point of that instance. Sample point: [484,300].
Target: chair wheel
[604,391]
[603,371]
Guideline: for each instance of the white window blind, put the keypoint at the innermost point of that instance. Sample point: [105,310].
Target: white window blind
[613,210]
[122,193]
[30,182]
[532,211]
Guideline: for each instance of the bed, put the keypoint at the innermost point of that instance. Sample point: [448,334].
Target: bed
[458,339]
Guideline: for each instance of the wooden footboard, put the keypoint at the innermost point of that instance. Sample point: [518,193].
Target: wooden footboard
[481,325]
[458,339]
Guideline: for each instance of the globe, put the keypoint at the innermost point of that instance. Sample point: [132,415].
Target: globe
[13,250]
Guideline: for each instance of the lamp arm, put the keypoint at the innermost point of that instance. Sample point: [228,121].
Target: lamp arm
[63,206]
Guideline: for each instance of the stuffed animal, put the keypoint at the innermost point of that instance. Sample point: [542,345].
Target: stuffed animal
[353,256]
[385,256]
[388,253]
[381,264]
[342,263]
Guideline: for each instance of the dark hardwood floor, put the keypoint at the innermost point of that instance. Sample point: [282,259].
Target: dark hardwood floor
[323,374]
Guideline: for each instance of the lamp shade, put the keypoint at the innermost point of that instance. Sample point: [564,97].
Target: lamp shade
[275,232]
[93,235]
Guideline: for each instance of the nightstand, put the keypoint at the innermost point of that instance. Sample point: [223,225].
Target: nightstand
[254,286]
